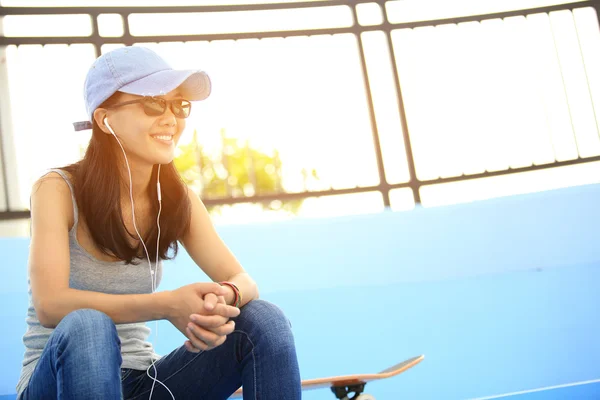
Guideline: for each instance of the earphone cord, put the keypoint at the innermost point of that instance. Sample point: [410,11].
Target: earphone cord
[152,273]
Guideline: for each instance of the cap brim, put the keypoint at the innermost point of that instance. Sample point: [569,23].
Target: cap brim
[194,85]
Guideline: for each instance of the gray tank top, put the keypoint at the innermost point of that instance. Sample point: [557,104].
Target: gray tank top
[88,273]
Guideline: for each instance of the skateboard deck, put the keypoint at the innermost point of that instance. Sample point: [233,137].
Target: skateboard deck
[344,384]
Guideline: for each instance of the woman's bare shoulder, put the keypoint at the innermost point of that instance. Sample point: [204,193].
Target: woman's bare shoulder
[51,194]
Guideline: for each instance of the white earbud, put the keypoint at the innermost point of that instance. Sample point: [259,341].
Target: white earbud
[108,126]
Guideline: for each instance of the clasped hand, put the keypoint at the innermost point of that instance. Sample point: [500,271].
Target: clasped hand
[199,312]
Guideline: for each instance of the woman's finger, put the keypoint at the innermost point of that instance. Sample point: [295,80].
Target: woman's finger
[214,323]
[210,301]
[196,343]
[225,329]
[226,311]
[208,321]
[204,335]
[190,347]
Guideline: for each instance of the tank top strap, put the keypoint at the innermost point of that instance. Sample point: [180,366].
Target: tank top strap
[75,208]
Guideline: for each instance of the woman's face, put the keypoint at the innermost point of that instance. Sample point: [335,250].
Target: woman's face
[146,139]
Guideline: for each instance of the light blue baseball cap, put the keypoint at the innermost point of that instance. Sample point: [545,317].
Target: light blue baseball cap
[140,71]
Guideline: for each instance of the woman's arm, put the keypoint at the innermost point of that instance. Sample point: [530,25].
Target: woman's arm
[49,267]
[208,251]
[51,218]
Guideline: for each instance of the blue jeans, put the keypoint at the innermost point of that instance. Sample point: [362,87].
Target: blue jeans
[82,360]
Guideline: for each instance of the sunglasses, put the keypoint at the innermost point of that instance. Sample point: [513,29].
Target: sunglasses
[155,106]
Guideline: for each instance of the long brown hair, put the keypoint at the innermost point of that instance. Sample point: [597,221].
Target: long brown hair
[97,185]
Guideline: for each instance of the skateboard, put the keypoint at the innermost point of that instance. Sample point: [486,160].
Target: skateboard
[345,385]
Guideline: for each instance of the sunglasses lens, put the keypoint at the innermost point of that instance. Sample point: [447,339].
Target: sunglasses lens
[182,108]
[155,107]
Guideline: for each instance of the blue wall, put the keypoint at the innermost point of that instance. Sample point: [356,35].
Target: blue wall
[500,295]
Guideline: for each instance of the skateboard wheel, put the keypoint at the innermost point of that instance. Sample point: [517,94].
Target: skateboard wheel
[365,397]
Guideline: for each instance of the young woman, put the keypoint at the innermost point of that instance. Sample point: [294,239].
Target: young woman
[100,230]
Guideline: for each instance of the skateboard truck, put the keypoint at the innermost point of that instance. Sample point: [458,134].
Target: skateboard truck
[342,392]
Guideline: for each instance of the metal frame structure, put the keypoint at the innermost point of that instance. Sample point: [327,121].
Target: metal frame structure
[383,187]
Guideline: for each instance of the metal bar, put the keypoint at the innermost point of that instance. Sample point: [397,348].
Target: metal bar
[585,71]
[562,77]
[96,39]
[335,192]
[414,182]
[386,26]
[127,39]
[496,15]
[596,5]
[3,166]
[11,215]
[172,9]
[4,175]
[291,196]
[303,195]
[383,184]
[509,171]
[176,38]
[259,7]
[95,29]
[6,140]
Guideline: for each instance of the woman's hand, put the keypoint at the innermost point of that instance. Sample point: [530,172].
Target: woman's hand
[211,332]
[205,329]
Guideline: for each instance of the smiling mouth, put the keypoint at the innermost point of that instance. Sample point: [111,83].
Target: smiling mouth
[163,138]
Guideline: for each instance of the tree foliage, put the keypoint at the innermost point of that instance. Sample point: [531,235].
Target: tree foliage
[238,170]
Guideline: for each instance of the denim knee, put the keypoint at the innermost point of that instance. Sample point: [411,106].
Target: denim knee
[266,321]
[87,329]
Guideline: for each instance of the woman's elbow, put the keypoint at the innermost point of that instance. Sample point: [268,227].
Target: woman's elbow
[45,315]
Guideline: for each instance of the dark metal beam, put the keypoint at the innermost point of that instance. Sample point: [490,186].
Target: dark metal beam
[336,192]
[4,168]
[173,9]
[496,15]
[12,215]
[380,188]
[374,129]
[4,41]
[258,7]
[414,182]
[510,171]
[386,26]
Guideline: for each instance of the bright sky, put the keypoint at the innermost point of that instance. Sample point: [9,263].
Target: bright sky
[478,96]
